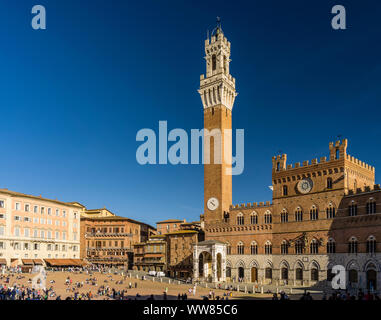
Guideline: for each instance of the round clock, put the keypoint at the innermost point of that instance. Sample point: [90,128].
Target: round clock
[305,185]
[212,203]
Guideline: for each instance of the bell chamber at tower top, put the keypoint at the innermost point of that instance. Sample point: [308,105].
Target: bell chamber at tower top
[217,87]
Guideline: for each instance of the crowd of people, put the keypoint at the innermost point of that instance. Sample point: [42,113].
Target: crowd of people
[20,286]
[346,295]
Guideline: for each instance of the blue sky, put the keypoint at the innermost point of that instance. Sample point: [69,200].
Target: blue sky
[74,96]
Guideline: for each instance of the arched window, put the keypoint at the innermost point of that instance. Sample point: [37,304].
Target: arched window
[331,211]
[299,273]
[352,209]
[268,247]
[298,214]
[284,216]
[331,246]
[314,246]
[277,166]
[240,248]
[254,218]
[228,272]
[330,274]
[284,273]
[314,274]
[228,249]
[371,245]
[284,247]
[299,247]
[285,190]
[253,248]
[268,273]
[352,245]
[329,183]
[214,62]
[226,217]
[337,154]
[371,206]
[240,219]
[353,276]
[314,214]
[268,217]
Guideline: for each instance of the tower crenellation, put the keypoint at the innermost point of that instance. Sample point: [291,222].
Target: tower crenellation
[217,86]
[340,171]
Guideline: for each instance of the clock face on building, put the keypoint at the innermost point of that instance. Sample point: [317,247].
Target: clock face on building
[305,185]
[212,203]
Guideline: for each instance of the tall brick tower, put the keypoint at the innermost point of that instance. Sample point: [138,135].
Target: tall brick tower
[217,91]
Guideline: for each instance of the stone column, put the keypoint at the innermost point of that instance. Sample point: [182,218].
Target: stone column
[214,265]
[362,280]
[276,277]
[195,269]
[261,276]
[223,264]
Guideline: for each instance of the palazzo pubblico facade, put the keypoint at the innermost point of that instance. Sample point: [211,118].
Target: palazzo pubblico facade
[324,212]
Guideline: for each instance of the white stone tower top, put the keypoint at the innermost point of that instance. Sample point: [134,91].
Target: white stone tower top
[218,86]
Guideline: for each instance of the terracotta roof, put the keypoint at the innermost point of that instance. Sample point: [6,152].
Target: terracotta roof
[19,194]
[182,231]
[116,218]
[190,223]
[77,204]
[206,242]
[170,220]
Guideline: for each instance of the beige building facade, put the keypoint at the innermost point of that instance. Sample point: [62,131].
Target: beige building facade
[36,228]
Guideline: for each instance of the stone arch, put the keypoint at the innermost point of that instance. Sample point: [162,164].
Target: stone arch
[254,263]
[240,263]
[330,265]
[269,264]
[284,264]
[314,264]
[371,264]
[300,264]
[299,207]
[352,264]
[332,204]
[240,218]
[254,217]
[267,217]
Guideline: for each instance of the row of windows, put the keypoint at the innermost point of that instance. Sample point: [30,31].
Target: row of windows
[102,244]
[37,246]
[330,213]
[253,218]
[43,221]
[299,247]
[314,214]
[39,233]
[28,208]
[370,208]
[109,230]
